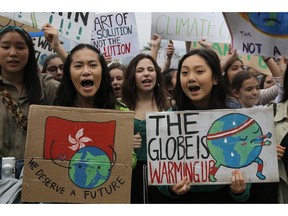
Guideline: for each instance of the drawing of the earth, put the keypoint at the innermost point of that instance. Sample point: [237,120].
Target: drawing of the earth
[270,23]
[234,140]
[89,167]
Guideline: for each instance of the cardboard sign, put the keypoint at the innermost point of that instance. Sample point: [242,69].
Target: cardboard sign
[207,146]
[76,155]
[256,33]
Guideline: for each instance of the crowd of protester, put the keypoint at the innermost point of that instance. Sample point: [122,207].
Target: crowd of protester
[85,79]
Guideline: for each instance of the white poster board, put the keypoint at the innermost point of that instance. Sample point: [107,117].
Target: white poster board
[191,26]
[263,34]
[76,26]
[115,34]
[208,145]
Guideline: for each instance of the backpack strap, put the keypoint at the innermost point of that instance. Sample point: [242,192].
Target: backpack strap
[13,108]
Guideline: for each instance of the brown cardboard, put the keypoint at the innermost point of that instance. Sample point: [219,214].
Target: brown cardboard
[53,135]
[4,21]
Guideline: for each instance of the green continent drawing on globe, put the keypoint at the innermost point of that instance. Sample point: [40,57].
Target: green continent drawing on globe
[89,168]
[235,141]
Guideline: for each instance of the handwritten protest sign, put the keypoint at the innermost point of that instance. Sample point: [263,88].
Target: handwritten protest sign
[115,34]
[191,26]
[207,145]
[262,34]
[76,26]
[252,61]
[78,155]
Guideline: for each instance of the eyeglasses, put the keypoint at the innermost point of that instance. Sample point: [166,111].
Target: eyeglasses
[54,69]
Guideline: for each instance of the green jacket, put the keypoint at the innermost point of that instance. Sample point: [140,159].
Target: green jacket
[12,137]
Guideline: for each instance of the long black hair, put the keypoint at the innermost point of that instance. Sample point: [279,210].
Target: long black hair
[31,78]
[168,76]
[129,93]
[66,94]
[218,92]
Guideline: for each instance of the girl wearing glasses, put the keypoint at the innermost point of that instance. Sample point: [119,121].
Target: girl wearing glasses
[53,65]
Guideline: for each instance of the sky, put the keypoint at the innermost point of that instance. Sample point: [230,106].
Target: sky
[144,30]
[147,6]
